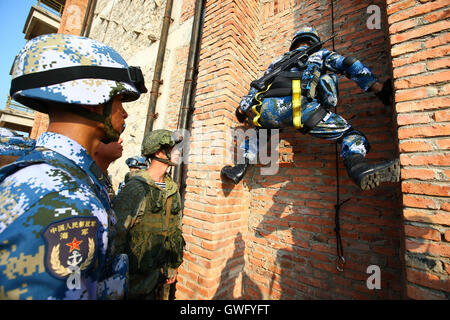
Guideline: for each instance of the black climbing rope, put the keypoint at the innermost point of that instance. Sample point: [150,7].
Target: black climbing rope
[339,248]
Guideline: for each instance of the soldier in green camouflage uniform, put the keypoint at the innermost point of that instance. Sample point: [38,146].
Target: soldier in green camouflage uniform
[149,213]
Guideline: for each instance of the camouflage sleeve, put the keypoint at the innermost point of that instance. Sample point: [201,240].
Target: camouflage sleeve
[125,206]
[116,286]
[351,67]
[16,146]
[247,100]
[50,250]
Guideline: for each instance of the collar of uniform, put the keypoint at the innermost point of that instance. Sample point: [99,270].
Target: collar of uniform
[171,186]
[67,147]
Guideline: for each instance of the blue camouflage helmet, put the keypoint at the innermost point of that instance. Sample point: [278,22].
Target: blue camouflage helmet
[137,162]
[69,69]
[306,33]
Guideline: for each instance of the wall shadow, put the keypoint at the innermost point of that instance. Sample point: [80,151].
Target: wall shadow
[233,276]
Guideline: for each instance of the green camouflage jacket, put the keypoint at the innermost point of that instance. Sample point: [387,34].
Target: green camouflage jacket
[154,238]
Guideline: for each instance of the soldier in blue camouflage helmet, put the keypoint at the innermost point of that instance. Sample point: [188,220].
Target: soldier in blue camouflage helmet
[134,164]
[317,93]
[149,213]
[57,228]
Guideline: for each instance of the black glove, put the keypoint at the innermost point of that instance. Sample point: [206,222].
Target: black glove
[385,95]
[240,116]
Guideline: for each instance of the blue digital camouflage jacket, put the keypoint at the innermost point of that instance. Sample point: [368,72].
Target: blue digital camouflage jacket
[57,227]
[277,112]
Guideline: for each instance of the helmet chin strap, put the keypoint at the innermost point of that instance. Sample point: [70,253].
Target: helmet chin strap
[167,160]
[111,133]
[105,118]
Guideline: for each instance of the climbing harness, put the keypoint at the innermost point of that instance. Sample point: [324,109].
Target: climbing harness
[295,87]
[296,104]
[288,83]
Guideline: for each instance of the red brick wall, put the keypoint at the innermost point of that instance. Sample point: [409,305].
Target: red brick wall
[272,237]
[215,213]
[73,16]
[40,124]
[419,35]
[295,209]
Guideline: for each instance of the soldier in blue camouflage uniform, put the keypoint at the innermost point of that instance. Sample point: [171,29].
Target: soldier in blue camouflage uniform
[57,228]
[105,154]
[319,93]
[134,164]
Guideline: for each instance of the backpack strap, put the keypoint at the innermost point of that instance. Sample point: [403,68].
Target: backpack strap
[168,208]
[130,221]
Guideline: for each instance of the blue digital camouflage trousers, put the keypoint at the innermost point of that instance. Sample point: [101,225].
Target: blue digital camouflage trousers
[332,127]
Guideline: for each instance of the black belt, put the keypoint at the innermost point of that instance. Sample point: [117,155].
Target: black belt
[313,120]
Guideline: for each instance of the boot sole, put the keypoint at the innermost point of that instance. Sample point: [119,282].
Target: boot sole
[373,179]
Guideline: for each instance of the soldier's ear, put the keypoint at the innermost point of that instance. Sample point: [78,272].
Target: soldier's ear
[160,154]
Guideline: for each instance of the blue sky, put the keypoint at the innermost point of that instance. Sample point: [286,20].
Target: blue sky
[13,15]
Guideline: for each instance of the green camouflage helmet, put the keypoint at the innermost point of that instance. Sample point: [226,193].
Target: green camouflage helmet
[157,139]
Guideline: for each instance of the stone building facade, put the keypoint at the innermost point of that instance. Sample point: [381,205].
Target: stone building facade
[272,236]
[133,28]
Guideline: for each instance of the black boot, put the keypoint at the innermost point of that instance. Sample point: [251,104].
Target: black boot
[235,173]
[368,176]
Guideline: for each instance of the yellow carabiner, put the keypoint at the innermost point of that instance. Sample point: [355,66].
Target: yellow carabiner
[254,107]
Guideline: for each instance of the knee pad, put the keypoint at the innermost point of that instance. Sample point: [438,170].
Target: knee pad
[353,131]
[348,62]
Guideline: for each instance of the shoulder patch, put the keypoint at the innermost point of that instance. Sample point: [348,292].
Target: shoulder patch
[71,245]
